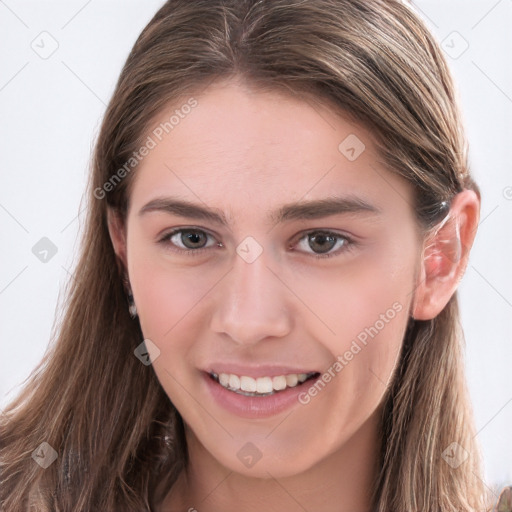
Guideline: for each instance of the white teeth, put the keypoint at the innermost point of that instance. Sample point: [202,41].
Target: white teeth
[264,385]
[224,379]
[261,385]
[279,383]
[234,382]
[247,383]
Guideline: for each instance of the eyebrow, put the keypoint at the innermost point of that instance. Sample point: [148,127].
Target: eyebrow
[301,210]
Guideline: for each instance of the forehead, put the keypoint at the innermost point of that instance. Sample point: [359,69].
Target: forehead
[238,147]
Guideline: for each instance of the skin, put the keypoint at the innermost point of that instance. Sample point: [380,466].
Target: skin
[246,153]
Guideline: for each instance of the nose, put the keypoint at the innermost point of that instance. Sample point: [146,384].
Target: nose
[252,303]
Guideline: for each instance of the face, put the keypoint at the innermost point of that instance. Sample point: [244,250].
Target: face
[270,287]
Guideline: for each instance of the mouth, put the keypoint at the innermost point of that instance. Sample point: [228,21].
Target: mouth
[261,386]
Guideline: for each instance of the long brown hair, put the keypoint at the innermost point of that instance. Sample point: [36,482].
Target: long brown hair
[118,438]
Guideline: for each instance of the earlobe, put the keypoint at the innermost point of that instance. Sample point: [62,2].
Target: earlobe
[445,256]
[117,233]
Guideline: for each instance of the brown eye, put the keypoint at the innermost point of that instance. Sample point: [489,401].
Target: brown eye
[320,244]
[187,240]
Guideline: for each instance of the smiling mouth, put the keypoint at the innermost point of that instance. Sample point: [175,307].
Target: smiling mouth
[262,386]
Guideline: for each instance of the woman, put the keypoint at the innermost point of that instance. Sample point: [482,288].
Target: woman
[264,315]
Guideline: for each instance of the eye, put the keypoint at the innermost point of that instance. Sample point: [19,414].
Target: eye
[324,242]
[188,240]
[193,241]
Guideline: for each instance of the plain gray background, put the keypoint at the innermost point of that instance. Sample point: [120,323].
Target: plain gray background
[59,64]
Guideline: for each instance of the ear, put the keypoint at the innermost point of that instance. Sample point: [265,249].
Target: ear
[117,231]
[445,256]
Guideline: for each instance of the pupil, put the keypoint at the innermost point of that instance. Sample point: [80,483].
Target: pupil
[323,247]
[193,237]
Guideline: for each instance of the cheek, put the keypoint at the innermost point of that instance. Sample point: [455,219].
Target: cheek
[370,292]
[373,354]
[168,296]
[363,309]
[170,309]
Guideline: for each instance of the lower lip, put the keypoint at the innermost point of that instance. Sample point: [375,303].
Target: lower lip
[253,407]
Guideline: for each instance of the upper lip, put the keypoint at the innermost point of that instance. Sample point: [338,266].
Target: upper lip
[262,370]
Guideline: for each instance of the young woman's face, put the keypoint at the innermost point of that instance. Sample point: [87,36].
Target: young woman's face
[295,287]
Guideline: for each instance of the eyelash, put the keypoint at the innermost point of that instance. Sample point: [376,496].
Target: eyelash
[349,244]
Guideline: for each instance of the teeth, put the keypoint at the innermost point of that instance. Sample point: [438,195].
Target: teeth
[279,383]
[224,379]
[247,384]
[262,385]
[291,380]
[234,382]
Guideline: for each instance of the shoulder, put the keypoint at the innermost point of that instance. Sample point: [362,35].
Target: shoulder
[504,501]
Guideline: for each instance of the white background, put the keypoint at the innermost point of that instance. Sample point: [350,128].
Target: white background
[51,109]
